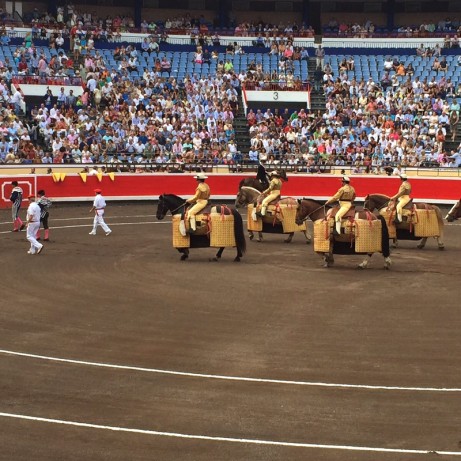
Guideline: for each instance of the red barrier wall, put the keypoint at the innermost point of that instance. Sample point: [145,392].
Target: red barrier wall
[150,186]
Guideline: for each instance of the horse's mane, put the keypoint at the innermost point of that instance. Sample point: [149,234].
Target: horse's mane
[171,195]
[318,202]
[252,189]
[384,196]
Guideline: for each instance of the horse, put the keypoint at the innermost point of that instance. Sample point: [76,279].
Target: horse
[254,183]
[455,212]
[315,210]
[381,202]
[247,195]
[177,205]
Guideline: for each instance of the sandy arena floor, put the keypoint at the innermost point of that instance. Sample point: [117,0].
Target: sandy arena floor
[113,349]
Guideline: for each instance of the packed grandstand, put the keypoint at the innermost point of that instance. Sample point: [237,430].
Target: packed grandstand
[172,95]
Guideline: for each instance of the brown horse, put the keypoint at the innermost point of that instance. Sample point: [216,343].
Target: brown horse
[455,212]
[254,183]
[382,202]
[314,210]
[247,195]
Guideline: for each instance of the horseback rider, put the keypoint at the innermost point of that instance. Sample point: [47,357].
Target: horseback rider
[345,196]
[261,175]
[403,196]
[272,192]
[199,201]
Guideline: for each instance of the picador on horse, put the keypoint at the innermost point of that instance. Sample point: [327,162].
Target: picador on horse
[217,226]
[345,196]
[199,201]
[262,179]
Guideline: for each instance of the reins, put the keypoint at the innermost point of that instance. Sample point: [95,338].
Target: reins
[176,209]
[312,212]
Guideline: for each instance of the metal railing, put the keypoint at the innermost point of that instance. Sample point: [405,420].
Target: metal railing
[243,167]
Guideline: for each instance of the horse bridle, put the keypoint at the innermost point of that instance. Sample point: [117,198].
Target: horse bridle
[312,212]
[165,208]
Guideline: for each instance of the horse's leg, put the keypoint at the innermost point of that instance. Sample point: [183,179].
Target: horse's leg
[364,263]
[289,238]
[328,258]
[239,255]
[387,263]
[395,242]
[260,237]
[251,235]
[440,243]
[422,244]
[185,253]
[218,255]
[308,237]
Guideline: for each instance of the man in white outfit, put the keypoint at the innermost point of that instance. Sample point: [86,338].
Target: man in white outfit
[98,207]
[33,225]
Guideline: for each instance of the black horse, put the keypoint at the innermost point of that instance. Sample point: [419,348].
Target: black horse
[261,182]
[177,205]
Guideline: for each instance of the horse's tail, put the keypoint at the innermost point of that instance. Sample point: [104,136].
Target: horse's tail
[386,249]
[239,232]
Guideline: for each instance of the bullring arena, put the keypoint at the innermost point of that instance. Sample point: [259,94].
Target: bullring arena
[111,348]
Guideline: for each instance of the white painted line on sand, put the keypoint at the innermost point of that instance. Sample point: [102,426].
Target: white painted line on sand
[230,378]
[226,439]
[109,223]
[92,217]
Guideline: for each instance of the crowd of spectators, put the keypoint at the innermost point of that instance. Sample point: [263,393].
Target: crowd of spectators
[367,126]
[368,29]
[159,121]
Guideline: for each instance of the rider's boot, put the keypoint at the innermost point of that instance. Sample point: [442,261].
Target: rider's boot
[192,224]
[338,227]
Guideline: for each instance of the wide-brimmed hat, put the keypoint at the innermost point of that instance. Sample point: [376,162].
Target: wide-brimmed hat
[346,179]
[403,176]
[201,176]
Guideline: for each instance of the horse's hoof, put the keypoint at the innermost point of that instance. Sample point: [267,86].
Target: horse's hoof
[441,247]
[326,265]
[236,259]
[251,237]
[183,257]
[259,240]
[420,247]
[287,241]
[214,260]
[308,242]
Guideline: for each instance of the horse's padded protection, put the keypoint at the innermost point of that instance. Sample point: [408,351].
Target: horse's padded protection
[426,223]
